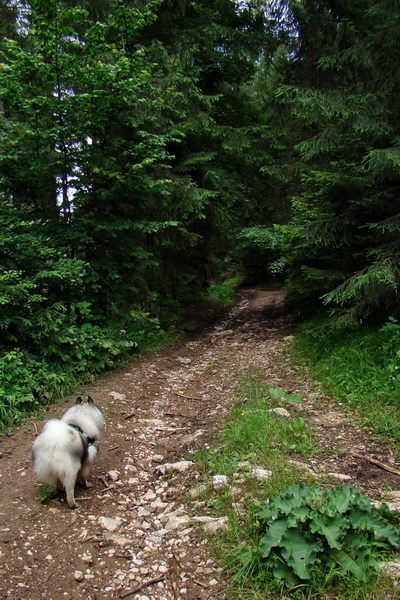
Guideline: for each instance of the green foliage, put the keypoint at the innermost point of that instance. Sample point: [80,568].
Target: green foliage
[309,530]
[48,493]
[391,347]
[277,393]
[117,178]
[222,294]
[358,368]
[260,247]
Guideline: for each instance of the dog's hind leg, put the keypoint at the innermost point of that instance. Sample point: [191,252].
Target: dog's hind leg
[69,485]
[83,476]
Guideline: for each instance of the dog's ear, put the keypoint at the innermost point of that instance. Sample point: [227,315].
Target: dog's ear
[79,400]
[90,400]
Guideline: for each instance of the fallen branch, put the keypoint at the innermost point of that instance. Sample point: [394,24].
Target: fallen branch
[35,427]
[130,415]
[174,570]
[203,585]
[378,463]
[141,586]
[187,396]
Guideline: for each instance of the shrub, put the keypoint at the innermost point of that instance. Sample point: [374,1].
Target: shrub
[307,530]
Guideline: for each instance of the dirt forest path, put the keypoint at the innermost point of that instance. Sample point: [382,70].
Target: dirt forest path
[132,526]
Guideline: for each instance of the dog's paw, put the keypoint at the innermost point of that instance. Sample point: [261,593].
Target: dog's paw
[72,504]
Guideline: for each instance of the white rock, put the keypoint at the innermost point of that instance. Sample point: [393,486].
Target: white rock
[223,333]
[149,496]
[212,524]
[184,360]
[117,396]
[158,505]
[219,481]
[282,412]
[87,558]
[130,468]
[260,473]
[340,476]
[392,506]
[78,575]
[175,522]
[157,458]
[120,540]
[177,467]
[394,494]
[113,475]
[110,524]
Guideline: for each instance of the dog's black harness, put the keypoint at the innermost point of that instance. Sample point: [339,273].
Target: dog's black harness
[89,440]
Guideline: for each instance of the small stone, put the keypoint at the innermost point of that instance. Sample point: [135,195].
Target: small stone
[113,475]
[260,474]
[340,476]
[219,481]
[120,540]
[110,524]
[157,458]
[87,558]
[184,360]
[117,396]
[223,333]
[54,511]
[175,522]
[282,412]
[158,505]
[78,575]
[212,524]
[149,496]
[179,467]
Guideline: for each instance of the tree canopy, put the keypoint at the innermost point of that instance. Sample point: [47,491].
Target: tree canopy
[147,148]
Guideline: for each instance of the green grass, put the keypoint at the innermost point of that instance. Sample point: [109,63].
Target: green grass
[254,436]
[358,369]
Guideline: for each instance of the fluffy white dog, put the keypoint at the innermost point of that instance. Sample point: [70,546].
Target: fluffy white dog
[66,447]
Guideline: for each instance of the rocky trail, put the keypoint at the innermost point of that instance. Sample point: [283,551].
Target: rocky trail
[134,534]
